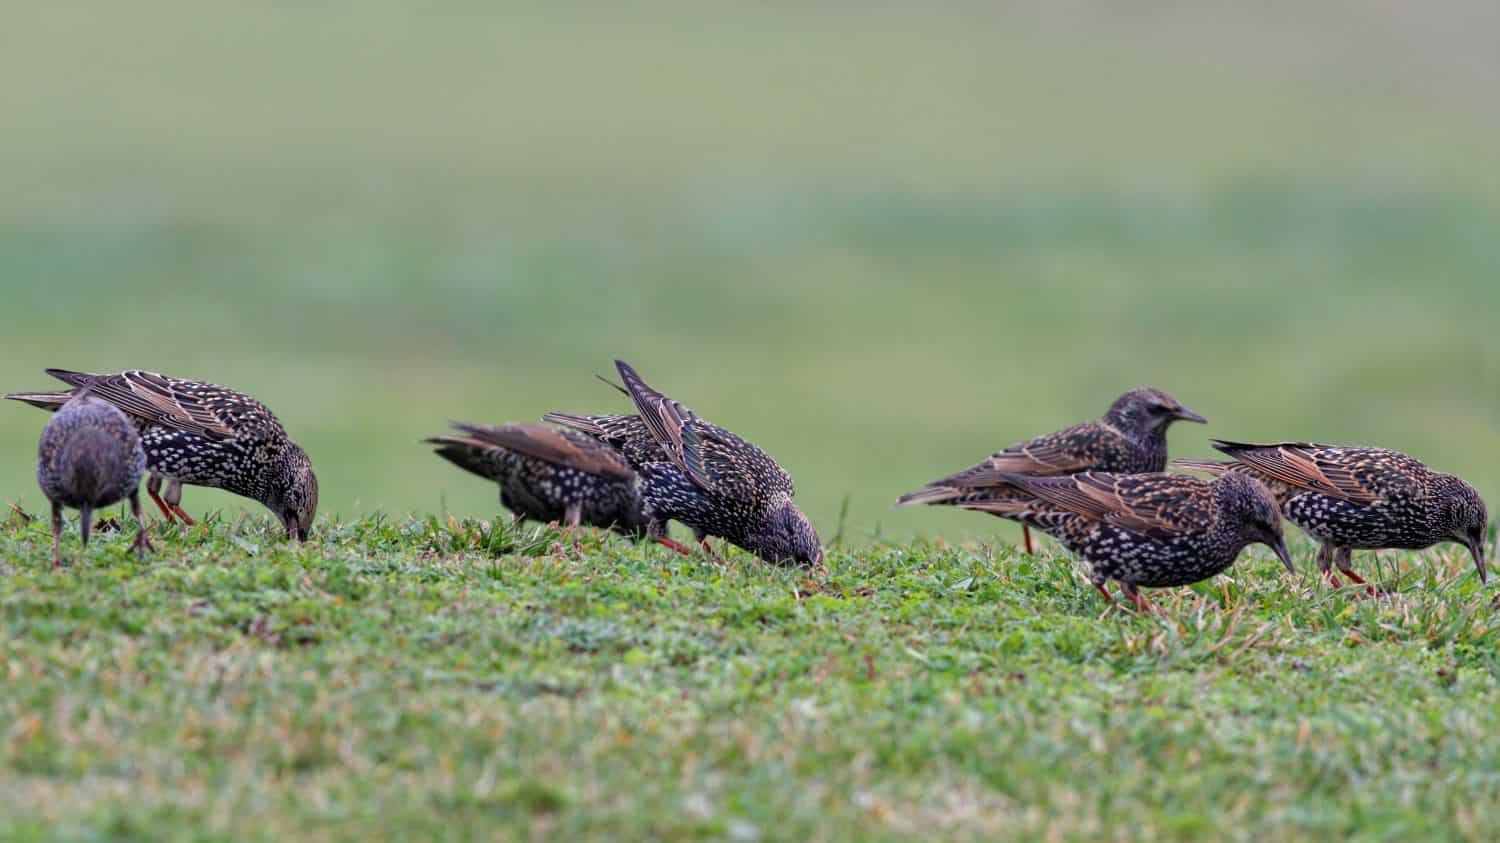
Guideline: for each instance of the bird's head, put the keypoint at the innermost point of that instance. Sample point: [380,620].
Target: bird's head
[1259,516]
[1146,410]
[1465,519]
[786,536]
[294,498]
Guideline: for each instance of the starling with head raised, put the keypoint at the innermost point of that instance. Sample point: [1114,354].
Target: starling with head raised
[1154,530]
[549,474]
[702,475]
[1130,439]
[1363,498]
[90,457]
[202,434]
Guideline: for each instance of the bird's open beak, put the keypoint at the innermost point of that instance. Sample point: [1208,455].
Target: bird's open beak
[1477,551]
[1284,555]
[1185,414]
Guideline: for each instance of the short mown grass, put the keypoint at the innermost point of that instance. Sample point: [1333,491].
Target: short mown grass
[462,679]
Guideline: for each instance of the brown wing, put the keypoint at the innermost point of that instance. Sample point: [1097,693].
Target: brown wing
[1160,505]
[574,450]
[153,397]
[1067,451]
[672,425]
[1355,474]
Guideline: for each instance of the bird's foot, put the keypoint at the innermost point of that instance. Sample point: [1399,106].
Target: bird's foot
[142,544]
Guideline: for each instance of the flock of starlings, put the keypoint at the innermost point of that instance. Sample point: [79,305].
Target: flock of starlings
[1100,488]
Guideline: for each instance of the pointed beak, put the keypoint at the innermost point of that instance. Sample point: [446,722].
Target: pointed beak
[1284,555]
[1184,414]
[1476,549]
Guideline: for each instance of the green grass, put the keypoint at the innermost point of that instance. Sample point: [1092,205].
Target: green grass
[454,679]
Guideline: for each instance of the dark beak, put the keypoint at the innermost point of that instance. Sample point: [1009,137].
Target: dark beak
[1184,414]
[1476,549]
[1279,545]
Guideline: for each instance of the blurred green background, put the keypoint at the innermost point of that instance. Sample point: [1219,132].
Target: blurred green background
[879,240]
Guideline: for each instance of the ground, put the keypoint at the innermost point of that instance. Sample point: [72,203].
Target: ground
[460,680]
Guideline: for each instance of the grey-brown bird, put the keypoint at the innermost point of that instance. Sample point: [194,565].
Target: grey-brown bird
[1130,439]
[1350,497]
[90,457]
[202,434]
[702,475]
[549,474]
[1154,530]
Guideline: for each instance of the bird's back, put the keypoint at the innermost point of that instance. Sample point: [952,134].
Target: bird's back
[89,454]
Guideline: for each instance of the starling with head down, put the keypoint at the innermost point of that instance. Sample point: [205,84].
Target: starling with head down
[1363,498]
[549,474]
[90,457]
[1130,439]
[1154,530]
[202,434]
[702,475]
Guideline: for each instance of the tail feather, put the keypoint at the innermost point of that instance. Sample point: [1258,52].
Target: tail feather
[1214,467]
[50,401]
[71,377]
[583,424]
[929,495]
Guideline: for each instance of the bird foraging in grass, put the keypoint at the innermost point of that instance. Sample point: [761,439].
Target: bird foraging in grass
[202,434]
[90,457]
[549,474]
[1351,498]
[1130,439]
[702,475]
[1154,530]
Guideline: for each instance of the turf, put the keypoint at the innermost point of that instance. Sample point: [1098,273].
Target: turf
[454,679]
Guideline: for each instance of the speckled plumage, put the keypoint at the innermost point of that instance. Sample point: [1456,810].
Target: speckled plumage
[1131,438]
[90,457]
[1153,530]
[1351,498]
[550,475]
[202,434]
[702,475]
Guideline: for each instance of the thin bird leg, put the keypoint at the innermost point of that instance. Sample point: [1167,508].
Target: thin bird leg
[1325,564]
[1104,591]
[153,488]
[1345,563]
[142,541]
[709,549]
[1136,597]
[1026,534]
[56,535]
[677,546]
[174,498]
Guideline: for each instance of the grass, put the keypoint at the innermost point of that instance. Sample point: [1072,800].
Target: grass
[457,679]
[879,242]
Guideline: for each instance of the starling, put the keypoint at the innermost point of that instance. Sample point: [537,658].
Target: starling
[1130,439]
[90,457]
[704,476]
[547,474]
[1154,530]
[1366,498]
[203,435]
